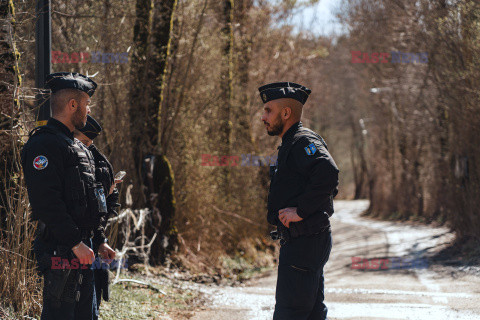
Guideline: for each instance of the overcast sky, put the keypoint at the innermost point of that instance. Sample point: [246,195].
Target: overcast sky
[320,18]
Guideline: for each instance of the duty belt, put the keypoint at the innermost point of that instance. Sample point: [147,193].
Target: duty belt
[296,231]
[285,234]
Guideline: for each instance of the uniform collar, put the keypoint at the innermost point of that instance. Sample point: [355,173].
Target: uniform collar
[59,125]
[291,131]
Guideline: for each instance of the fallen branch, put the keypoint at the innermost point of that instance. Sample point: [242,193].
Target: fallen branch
[233,214]
[140,282]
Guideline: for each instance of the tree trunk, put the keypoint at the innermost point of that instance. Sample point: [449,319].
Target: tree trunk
[141,126]
[159,177]
[244,133]
[226,90]
[152,35]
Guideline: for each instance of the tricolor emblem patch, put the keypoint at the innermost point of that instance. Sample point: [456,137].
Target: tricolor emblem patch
[40,162]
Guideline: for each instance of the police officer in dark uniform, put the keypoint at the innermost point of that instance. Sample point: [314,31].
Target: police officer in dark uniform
[104,174]
[66,200]
[300,202]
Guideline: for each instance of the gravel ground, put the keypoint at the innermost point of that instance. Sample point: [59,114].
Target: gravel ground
[414,289]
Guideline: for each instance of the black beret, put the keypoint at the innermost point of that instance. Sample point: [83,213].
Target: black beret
[278,90]
[70,80]
[92,129]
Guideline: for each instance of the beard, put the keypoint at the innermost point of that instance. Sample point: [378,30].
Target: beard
[79,119]
[275,128]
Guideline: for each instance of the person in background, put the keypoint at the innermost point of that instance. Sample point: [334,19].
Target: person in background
[104,173]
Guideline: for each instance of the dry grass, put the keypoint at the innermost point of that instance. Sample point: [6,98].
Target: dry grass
[19,281]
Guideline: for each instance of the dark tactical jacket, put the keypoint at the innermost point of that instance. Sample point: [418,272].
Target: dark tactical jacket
[305,177]
[105,175]
[60,177]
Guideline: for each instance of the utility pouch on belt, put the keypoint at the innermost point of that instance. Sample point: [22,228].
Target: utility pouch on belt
[280,234]
[97,203]
[275,235]
[43,232]
[56,279]
[62,285]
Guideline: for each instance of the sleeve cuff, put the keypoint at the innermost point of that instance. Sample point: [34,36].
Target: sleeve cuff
[302,214]
[72,242]
[100,238]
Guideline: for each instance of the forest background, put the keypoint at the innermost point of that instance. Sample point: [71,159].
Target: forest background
[395,95]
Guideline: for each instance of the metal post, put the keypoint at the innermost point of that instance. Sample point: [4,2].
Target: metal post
[43,42]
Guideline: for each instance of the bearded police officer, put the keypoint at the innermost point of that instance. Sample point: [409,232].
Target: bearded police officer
[66,200]
[105,175]
[300,202]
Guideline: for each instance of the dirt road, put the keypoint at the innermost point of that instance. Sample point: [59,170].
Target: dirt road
[406,288]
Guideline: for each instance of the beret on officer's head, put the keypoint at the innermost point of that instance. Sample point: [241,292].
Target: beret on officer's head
[70,80]
[279,90]
[92,129]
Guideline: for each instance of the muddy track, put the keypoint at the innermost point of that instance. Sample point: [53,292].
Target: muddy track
[408,287]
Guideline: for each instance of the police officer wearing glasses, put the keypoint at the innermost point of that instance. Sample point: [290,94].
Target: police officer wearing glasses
[300,202]
[67,201]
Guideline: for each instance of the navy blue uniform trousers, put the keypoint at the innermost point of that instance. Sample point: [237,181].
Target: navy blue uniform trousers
[84,309]
[300,282]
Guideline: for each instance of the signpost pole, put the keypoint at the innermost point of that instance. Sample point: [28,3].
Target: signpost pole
[43,43]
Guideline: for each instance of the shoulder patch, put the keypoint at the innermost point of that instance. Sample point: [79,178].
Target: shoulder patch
[310,149]
[40,162]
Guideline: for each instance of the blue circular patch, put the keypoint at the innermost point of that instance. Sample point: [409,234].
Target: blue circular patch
[40,162]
